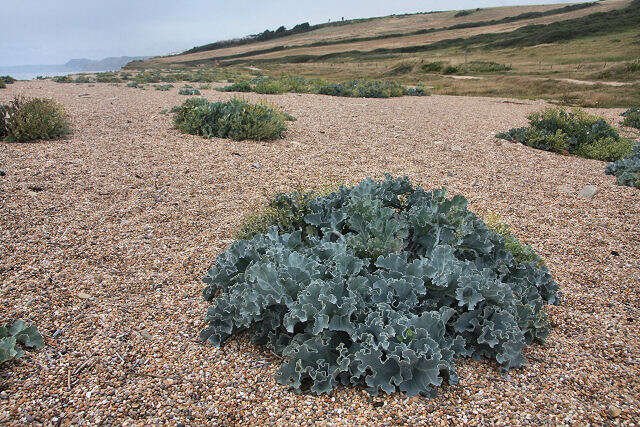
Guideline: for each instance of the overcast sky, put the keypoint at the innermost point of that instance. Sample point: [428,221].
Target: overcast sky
[54,31]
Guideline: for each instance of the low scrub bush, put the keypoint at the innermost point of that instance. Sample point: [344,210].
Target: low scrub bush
[188,91]
[108,77]
[382,285]
[16,337]
[574,132]
[7,80]
[82,79]
[466,12]
[354,88]
[163,88]
[30,119]
[62,79]
[433,67]
[2,85]
[627,169]
[235,119]
[632,118]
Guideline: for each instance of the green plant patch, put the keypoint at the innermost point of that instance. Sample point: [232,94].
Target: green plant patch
[163,87]
[2,84]
[353,89]
[108,77]
[627,169]
[62,79]
[433,67]
[15,337]
[383,285]
[82,79]
[632,118]
[7,79]
[235,119]
[188,91]
[30,119]
[571,132]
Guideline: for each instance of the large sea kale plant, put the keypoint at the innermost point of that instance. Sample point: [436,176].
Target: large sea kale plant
[382,285]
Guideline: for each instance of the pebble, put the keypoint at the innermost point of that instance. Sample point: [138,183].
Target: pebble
[83,295]
[588,191]
[614,412]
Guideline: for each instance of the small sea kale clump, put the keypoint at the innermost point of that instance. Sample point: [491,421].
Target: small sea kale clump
[632,118]
[571,132]
[16,336]
[235,119]
[627,169]
[382,285]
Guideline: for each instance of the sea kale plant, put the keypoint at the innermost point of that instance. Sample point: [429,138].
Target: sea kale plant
[571,132]
[15,336]
[627,169]
[235,119]
[382,285]
[632,118]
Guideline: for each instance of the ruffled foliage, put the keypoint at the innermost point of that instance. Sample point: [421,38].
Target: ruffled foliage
[382,285]
[235,119]
[16,336]
[627,169]
[632,118]
[571,132]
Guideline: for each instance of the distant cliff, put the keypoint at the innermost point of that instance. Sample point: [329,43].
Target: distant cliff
[83,65]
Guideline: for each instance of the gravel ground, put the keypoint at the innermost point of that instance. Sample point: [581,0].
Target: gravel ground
[104,238]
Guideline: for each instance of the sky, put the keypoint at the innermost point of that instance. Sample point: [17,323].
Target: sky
[54,31]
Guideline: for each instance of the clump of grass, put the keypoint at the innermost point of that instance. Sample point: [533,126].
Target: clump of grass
[188,91]
[632,118]
[571,132]
[472,67]
[30,119]
[522,252]
[286,211]
[235,119]
[163,88]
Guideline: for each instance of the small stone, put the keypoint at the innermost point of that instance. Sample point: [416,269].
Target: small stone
[2,172]
[456,148]
[614,412]
[169,382]
[565,189]
[4,395]
[588,191]
[83,295]
[35,188]
[146,335]
[256,165]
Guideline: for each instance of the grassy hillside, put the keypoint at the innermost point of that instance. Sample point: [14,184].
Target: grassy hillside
[520,51]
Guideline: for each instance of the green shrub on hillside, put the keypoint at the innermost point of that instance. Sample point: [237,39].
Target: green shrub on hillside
[25,119]
[235,119]
[627,169]
[383,285]
[433,67]
[7,80]
[632,118]
[17,336]
[575,132]
[62,79]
